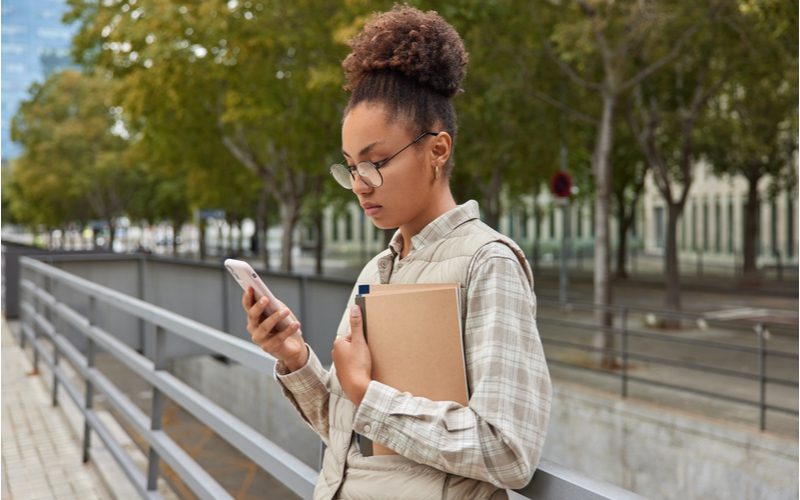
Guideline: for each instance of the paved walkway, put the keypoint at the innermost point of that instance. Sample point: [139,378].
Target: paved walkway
[41,456]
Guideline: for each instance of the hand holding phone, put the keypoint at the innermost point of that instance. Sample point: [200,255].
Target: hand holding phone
[244,274]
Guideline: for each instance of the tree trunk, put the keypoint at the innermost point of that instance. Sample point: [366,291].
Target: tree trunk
[671,266]
[319,245]
[111,233]
[752,227]
[201,229]
[602,257]
[261,226]
[622,250]
[231,250]
[290,211]
[491,199]
[266,253]
[622,236]
[177,225]
[537,230]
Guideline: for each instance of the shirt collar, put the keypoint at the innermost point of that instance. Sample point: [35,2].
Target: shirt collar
[438,228]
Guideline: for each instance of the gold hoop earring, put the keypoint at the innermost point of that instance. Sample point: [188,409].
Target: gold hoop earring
[436,174]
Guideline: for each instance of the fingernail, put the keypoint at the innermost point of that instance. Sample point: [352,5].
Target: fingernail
[355,311]
[262,301]
[284,313]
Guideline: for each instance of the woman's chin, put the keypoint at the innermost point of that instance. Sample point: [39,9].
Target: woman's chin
[381,223]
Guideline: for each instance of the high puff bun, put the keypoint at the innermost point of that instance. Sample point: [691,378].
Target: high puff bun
[418,45]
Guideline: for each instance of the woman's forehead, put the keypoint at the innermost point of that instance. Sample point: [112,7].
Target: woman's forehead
[367,124]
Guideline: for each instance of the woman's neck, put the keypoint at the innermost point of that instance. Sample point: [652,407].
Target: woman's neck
[441,205]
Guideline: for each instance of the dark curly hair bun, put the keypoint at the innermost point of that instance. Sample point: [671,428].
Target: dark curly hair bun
[419,45]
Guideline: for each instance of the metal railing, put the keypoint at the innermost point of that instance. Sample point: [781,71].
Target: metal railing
[38,308]
[41,311]
[624,357]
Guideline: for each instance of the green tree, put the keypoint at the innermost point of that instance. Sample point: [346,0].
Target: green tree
[72,165]
[262,77]
[600,46]
[753,122]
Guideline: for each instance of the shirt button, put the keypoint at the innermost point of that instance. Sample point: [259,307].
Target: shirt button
[367,428]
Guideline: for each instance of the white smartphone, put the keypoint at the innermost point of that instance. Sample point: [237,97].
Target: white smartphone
[244,274]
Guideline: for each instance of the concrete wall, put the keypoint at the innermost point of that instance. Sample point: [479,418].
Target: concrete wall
[253,397]
[660,453]
[653,451]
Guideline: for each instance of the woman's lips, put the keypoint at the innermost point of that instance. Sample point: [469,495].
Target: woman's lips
[371,209]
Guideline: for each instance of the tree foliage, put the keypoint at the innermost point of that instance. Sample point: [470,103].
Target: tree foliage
[73,165]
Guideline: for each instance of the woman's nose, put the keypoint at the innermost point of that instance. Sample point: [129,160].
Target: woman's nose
[360,185]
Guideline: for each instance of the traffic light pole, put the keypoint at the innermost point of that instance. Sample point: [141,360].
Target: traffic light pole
[563,280]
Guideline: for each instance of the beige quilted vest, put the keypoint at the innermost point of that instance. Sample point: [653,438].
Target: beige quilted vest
[346,474]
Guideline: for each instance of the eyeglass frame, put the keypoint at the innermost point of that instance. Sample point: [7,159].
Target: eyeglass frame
[377,165]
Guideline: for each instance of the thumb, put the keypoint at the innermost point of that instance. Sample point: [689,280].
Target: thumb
[356,323]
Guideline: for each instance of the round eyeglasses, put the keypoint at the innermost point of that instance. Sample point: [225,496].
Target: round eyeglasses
[368,171]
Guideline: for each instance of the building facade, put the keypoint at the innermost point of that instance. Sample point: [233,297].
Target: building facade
[34,44]
[713,220]
[711,227]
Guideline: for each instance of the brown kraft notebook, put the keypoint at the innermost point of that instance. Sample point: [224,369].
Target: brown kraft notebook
[415,339]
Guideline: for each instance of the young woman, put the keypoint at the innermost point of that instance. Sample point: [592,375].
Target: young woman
[397,141]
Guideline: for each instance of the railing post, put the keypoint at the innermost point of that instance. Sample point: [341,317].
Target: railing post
[37,310]
[763,335]
[24,317]
[624,352]
[140,289]
[48,314]
[157,408]
[90,355]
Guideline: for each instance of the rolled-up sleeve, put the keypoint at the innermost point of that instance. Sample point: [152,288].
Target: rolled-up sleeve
[499,436]
[308,390]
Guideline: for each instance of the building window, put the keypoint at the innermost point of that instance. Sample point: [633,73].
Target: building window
[335,228]
[718,227]
[789,227]
[706,246]
[552,223]
[731,250]
[658,218]
[348,226]
[523,223]
[683,224]
[694,225]
[773,226]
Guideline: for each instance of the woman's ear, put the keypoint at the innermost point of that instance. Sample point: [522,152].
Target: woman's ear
[440,152]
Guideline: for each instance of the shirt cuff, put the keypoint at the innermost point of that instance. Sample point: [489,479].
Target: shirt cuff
[370,419]
[305,379]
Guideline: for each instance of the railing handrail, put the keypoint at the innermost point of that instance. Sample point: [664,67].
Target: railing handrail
[622,330]
[288,469]
[550,481]
[666,313]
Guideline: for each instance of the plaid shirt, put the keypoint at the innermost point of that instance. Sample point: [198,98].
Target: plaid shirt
[499,437]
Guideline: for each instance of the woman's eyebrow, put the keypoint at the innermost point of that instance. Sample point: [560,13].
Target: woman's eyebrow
[364,150]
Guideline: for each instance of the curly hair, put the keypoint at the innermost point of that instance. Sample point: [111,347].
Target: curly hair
[410,61]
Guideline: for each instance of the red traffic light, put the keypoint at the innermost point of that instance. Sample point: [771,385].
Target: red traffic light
[561,185]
